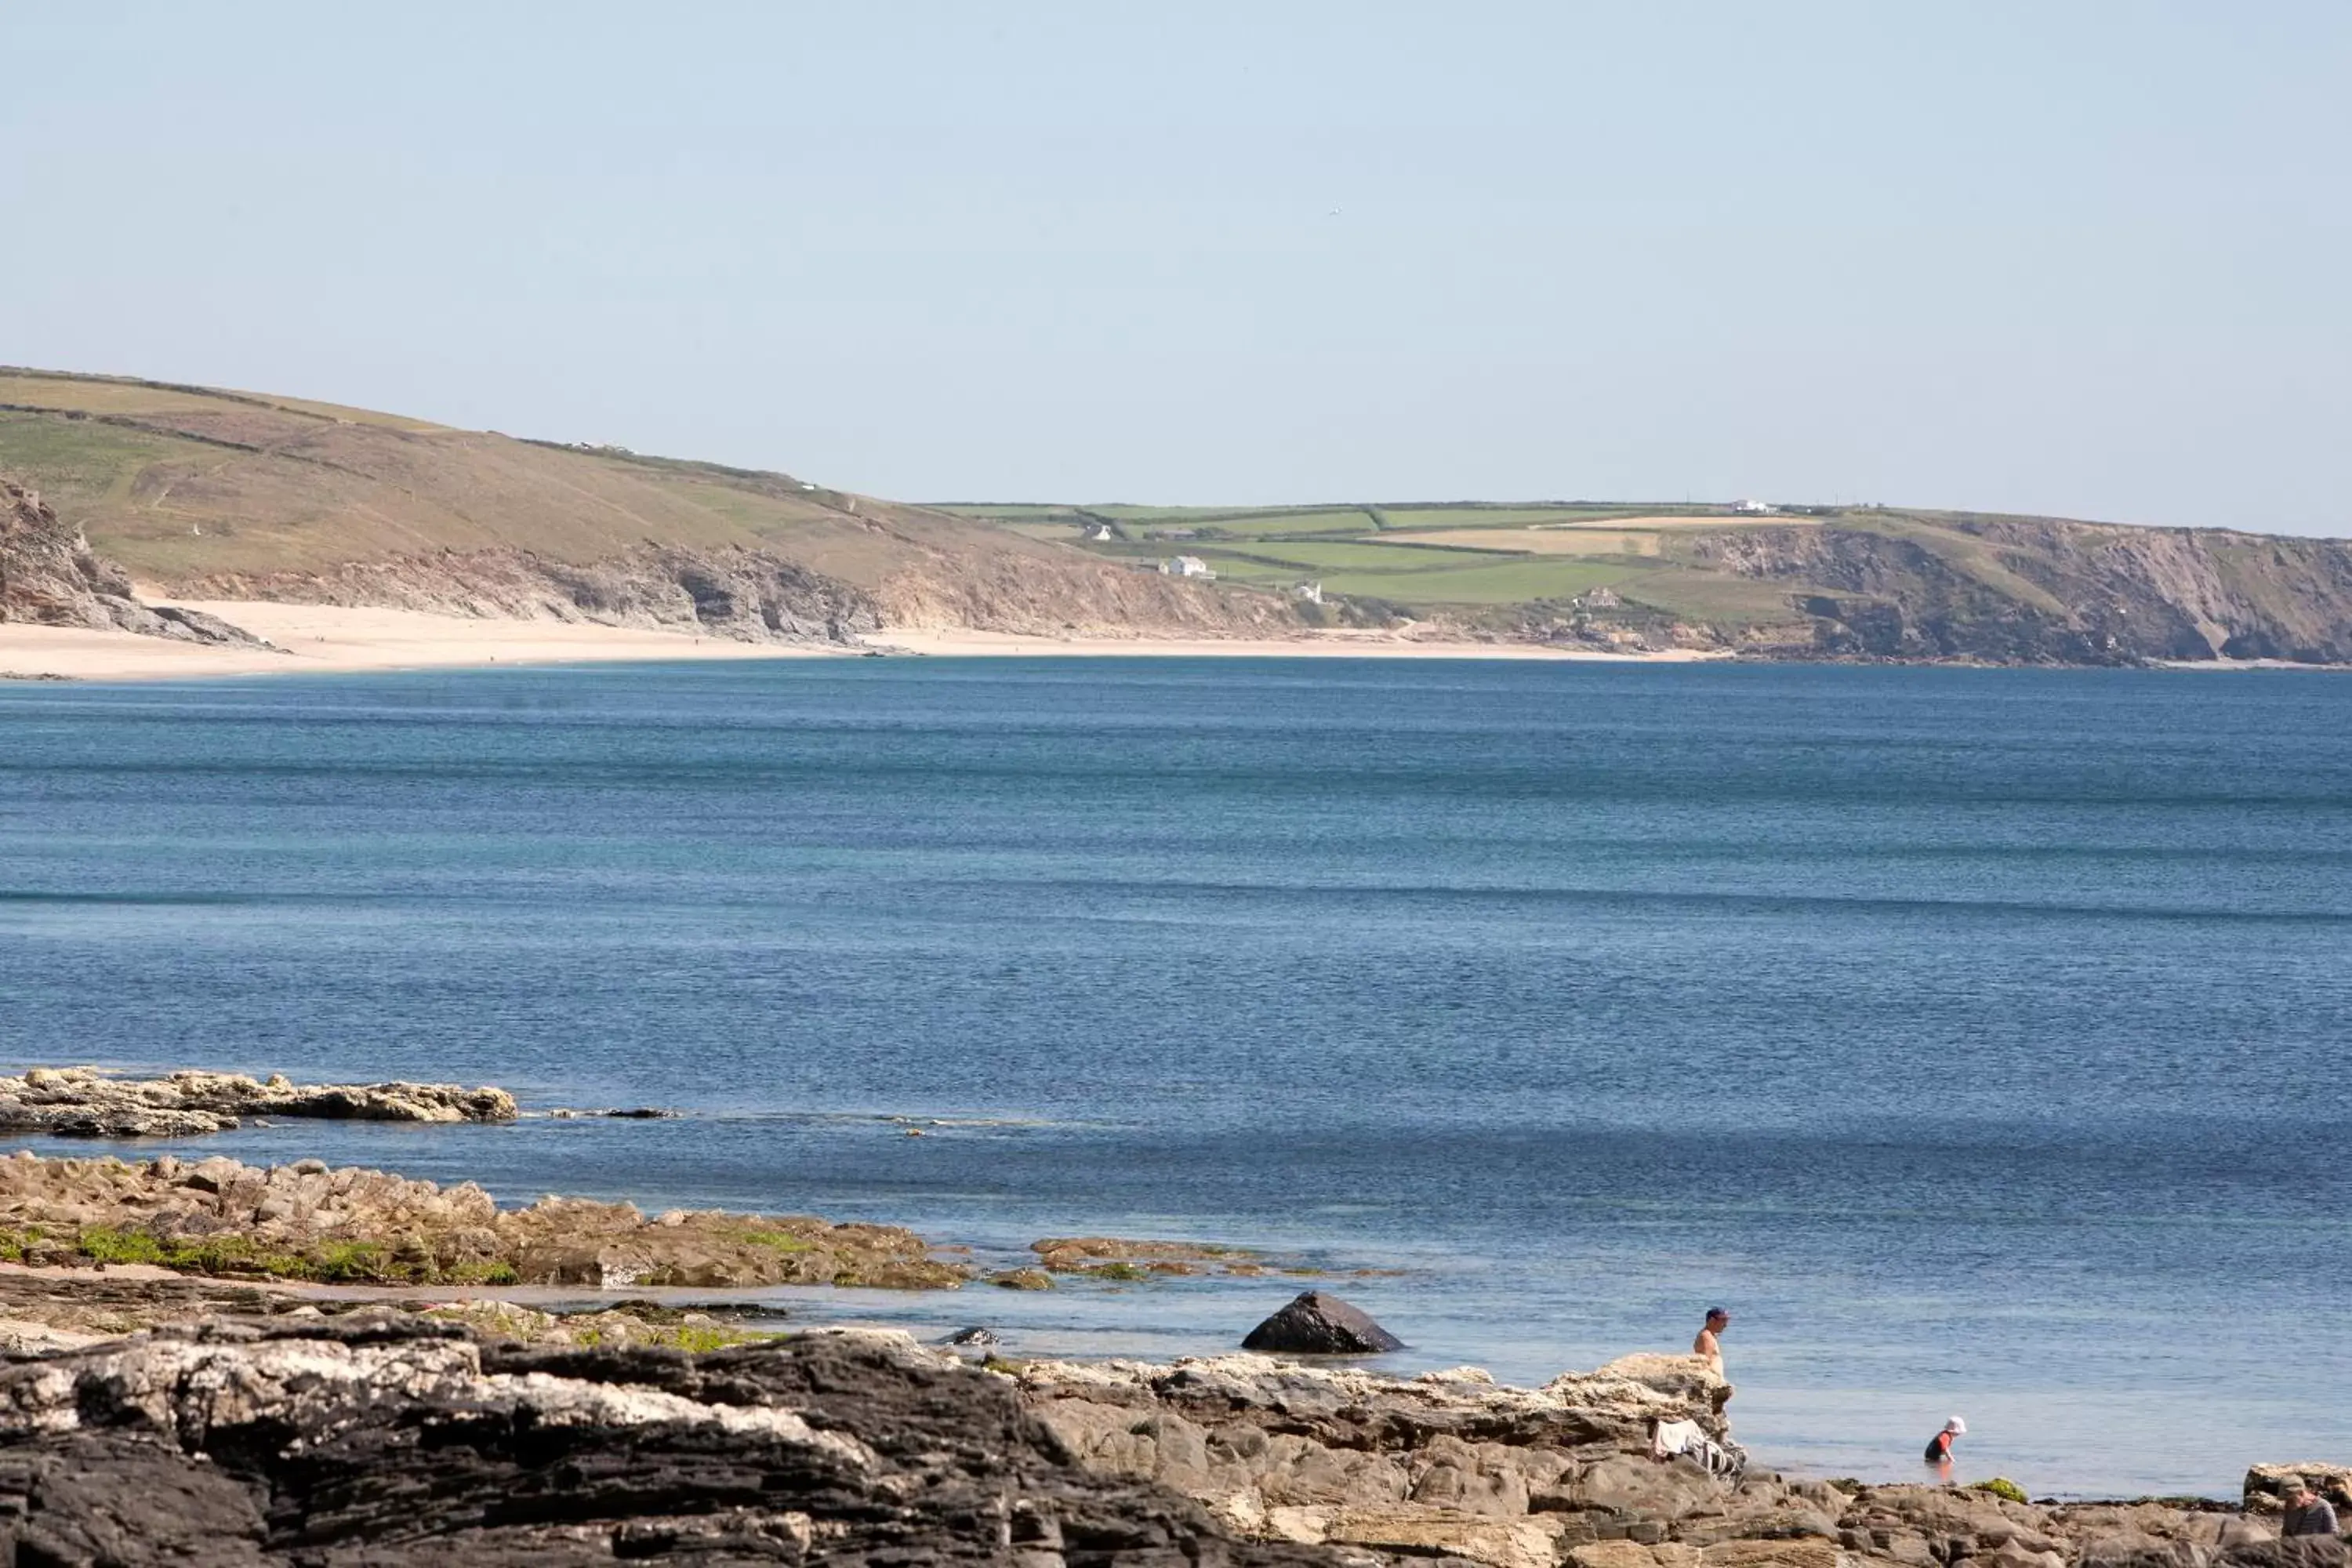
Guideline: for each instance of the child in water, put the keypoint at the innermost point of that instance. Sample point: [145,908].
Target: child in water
[1939,1447]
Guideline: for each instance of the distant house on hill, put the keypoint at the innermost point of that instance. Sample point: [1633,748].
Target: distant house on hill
[1097,532]
[1600,598]
[1187,566]
[1754,508]
[1308,592]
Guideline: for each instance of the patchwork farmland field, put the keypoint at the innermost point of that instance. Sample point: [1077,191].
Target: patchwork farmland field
[1424,557]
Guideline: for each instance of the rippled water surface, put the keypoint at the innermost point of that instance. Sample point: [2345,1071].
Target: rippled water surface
[1978,1037]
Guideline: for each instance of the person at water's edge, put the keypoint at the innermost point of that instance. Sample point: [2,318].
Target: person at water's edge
[2307,1513]
[1708,1348]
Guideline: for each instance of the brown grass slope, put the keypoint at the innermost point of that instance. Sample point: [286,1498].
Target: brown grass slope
[217,494]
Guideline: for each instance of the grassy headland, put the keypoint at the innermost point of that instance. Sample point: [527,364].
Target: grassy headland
[229,496]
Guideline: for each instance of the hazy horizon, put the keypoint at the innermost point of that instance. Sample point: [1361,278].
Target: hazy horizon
[2078,262]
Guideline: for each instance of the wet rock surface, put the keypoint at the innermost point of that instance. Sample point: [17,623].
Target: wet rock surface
[1319,1323]
[1125,1258]
[388,1443]
[82,1102]
[306,1221]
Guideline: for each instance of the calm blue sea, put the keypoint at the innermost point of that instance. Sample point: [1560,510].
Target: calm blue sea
[1981,1039]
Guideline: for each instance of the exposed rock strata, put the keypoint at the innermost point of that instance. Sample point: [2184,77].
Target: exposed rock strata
[1450,1464]
[49,575]
[304,1220]
[750,595]
[380,1438]
[81,1102]
[400,1443]
[2029,591]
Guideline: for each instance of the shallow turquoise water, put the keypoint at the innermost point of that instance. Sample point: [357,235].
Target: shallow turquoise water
[1979,1037]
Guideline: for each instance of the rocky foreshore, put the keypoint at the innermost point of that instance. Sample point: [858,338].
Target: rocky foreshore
[173,1389]
[83,1102]
[1453,1464]
[383,1442]
[273,1436]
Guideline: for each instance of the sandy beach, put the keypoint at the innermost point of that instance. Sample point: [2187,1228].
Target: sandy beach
[961,644]
[329,638]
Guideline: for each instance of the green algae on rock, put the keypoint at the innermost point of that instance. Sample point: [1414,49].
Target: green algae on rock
[304,1221]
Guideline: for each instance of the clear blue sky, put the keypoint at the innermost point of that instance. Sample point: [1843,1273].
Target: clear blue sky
[2088,259]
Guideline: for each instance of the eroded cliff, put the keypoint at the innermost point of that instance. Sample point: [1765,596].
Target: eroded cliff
[49,575]
[2029,591]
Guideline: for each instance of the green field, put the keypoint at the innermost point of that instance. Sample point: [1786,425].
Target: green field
[1510,583]
[1422,519]
[1354,552]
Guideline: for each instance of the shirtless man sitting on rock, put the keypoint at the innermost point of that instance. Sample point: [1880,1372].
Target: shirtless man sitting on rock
[1708,1348]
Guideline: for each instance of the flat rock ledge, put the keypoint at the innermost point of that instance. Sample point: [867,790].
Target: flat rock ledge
[386,1439]
[392,1443]
[83,1102]
[1455,1466]
[305,1221]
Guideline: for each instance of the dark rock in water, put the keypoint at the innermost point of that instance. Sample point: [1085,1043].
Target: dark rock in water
[642,1113]
[1320,1324]
[972,1336]
[392,1444]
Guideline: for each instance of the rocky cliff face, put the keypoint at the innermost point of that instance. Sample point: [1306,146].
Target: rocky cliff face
[2034,592]
[751,595]
[765,595]
[50,576]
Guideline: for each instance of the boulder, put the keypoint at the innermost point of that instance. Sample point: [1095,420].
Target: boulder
[1317,1323]
[1639,1486]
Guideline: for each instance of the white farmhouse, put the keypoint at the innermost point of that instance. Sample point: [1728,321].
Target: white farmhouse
[1754,508]
[1187,566]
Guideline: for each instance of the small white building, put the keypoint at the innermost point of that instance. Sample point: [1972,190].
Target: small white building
[1308,592]
[1187,566]
[1098,532]
[1754,508]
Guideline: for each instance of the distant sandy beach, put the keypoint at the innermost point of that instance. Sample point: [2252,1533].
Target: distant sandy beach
[329,638]
[333,639]
[962,644]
